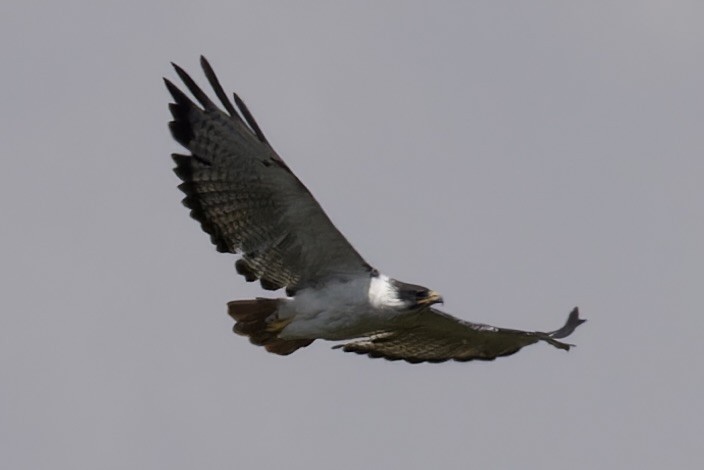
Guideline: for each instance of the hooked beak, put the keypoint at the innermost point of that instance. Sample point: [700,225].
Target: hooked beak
[432,298]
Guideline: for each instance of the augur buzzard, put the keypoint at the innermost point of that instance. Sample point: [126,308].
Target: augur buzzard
[250,203]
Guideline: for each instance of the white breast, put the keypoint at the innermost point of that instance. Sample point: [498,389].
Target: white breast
[340,310]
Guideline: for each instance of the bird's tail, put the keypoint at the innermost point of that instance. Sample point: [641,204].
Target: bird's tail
[257,319]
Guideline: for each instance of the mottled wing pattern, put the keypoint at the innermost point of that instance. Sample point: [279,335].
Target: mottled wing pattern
[247,198]
[437,337]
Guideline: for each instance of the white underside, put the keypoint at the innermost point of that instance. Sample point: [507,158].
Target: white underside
[341,310]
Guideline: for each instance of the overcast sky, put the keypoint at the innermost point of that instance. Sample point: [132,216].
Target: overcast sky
[521,158]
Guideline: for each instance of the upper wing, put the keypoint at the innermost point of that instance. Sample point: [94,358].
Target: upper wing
[247,198]
[437,337]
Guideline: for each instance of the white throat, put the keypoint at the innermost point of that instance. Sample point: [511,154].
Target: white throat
[382,294]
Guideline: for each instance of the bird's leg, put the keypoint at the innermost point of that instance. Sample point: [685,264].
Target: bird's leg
[277,325]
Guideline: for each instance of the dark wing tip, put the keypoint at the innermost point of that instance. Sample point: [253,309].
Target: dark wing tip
[215,84]
[249,118]
[182,106]
[203,99]
[193,87]
[179,97]
[573,321]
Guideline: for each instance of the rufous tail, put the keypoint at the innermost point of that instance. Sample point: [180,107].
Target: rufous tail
[257,319]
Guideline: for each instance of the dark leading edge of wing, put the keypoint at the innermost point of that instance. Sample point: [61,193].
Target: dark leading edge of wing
[247,199]
[439,337]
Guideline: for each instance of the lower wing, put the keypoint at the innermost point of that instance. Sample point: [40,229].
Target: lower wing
[436,336]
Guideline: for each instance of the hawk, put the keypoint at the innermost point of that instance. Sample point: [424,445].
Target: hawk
[250,203]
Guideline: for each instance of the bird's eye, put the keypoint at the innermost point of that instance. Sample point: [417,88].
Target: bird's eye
[421,294]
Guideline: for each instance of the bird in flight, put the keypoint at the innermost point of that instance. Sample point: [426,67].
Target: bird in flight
[251,203]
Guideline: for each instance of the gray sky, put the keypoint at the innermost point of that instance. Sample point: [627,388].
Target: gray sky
[519,157]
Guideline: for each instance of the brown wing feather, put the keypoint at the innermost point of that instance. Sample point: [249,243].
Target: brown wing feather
[247,198]
[437,337]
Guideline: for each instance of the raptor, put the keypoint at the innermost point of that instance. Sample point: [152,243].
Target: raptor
[250,203]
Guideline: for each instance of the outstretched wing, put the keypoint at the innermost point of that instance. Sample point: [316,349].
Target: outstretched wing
[247,198]
[437,337]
